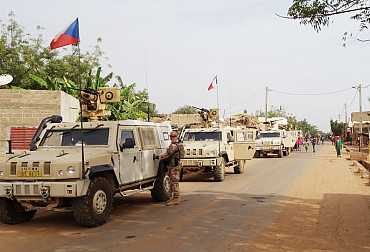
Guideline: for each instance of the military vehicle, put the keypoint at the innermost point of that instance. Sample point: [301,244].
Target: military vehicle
[274,142]
[210,149]
[79,169]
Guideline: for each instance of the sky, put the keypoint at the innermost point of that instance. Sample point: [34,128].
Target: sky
[175,48]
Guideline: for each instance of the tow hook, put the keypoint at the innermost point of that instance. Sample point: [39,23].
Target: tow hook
[45,192]
[8,192]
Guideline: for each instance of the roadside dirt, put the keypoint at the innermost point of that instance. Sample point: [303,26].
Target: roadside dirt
[329,209]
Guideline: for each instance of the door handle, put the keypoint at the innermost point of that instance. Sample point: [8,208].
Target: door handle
[135,159]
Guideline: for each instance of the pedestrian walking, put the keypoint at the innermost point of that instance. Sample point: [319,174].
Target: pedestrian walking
[299,141]
[172,156]
[338,146]
[305,144]
[313,144]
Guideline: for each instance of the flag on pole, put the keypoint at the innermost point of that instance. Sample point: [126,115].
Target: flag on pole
[67,36]
[213,83]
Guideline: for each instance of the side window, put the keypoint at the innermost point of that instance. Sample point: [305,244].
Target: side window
[127,139]
[148,138]
[166,136]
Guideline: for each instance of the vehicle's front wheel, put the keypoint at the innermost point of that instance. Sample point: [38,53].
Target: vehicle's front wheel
[258,154]
[162,188]
[94,208]
[219,172]
[280,153]
[12,212]
[239,169]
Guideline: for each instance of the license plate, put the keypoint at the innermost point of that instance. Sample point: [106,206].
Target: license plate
[29,174]
[266,144]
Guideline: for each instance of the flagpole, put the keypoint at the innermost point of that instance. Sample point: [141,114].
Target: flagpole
[81,119]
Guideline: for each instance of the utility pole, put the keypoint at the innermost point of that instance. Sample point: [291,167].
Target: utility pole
[345,120]
[339,118]
[360,100]
[266,127]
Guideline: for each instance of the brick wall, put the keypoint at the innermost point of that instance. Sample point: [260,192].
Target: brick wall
[26,108]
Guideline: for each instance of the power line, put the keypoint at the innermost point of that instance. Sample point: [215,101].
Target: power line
[327,93]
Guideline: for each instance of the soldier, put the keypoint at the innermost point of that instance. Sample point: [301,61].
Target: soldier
[173,157]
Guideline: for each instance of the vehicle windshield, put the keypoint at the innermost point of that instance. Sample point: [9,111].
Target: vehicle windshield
[270,134]
[202,136]
[72,137]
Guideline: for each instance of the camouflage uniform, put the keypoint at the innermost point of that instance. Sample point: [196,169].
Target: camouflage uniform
[174,166]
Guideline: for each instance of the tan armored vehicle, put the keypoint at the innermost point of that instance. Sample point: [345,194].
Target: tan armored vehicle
[118,158]
[278,142]
[209,150]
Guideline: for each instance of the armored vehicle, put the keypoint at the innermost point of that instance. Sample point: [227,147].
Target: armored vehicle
[275,142]
[210,150]
[76,169]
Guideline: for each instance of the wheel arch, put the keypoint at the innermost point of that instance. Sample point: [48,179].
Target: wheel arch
[105,171]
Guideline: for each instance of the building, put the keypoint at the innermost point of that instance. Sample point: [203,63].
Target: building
[21,112]
[354,126]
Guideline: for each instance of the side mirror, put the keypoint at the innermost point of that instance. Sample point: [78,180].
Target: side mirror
[231,139]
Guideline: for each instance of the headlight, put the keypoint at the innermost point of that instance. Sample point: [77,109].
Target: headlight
[71,170]
[61,173]
[211,153]
[1,173]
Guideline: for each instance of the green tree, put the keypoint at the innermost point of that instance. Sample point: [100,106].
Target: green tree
[318,13]
[186,109]
[337,128]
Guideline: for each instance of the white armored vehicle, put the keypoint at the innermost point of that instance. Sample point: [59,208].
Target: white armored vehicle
[70,171]
[270,142]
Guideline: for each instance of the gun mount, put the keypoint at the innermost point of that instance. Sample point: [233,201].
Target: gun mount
[208,116]
[93,102]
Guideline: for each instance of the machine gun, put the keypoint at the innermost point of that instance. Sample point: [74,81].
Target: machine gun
[208,116]
[93,101]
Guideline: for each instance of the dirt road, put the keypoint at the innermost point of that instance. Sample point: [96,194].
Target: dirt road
[307,201]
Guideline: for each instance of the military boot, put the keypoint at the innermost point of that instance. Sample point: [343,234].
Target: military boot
[175,201]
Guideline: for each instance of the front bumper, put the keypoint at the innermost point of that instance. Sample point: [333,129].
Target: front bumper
[200,162]
[269,147]
[44,189]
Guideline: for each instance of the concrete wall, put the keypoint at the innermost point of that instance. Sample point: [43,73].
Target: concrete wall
[28,107]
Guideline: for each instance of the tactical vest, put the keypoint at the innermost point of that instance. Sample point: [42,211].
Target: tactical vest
[174,158]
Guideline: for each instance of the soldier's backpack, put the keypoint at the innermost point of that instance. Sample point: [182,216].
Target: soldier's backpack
[181,150]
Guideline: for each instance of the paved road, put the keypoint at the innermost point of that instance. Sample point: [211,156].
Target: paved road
[213,216]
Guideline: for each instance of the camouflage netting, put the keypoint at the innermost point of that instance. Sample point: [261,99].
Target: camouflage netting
[242,120]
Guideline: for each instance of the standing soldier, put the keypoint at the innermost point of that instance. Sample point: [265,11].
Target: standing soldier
[172,155]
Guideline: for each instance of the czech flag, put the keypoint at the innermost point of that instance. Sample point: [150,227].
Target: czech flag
[67,36]
[213,83]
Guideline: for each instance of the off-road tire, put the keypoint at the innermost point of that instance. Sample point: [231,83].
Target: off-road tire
[12,212]
[258,154]
[285,153]
[219,172]
[280,153]
[162,188]
[181,174]
[93,209]
[239,169]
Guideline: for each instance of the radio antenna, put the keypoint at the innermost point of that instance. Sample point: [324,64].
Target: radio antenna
[147,86]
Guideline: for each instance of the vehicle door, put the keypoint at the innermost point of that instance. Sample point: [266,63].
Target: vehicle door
[245,144]
[230,144]
[130,155]
[150,143]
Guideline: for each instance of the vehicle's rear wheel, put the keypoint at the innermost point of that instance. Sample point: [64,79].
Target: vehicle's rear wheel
[12,212]
[219,172]
[94,208]
[239,169]
[162,188]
